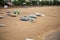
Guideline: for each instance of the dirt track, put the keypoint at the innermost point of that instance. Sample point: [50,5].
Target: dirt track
[20,30]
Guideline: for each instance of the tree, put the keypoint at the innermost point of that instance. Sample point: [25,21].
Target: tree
[16,3]
[58,3]
[55,2]
[1,2]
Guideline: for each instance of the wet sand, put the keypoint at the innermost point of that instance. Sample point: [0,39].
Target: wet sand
[20,30]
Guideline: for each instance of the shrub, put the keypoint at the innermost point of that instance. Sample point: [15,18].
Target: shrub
[28,3]
[21,2]
[17,3]
[46,2]
[34,2]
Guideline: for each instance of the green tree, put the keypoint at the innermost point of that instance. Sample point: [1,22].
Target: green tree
[16,3]
[42,2]
[1,2]
[55,2]
[58,3]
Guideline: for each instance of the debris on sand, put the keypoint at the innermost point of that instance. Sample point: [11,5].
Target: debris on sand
[31,19]
[29,39]
[11,14]
[39,14]
[1,17]
[8,13]
[1,12]
[2,25]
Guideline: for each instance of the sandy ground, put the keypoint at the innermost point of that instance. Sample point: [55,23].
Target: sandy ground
[20,30]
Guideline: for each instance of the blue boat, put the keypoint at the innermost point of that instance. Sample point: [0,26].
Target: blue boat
[24,19]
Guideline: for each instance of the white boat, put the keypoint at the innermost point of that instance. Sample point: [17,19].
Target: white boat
[1,17]
[32,16]
[39,14]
